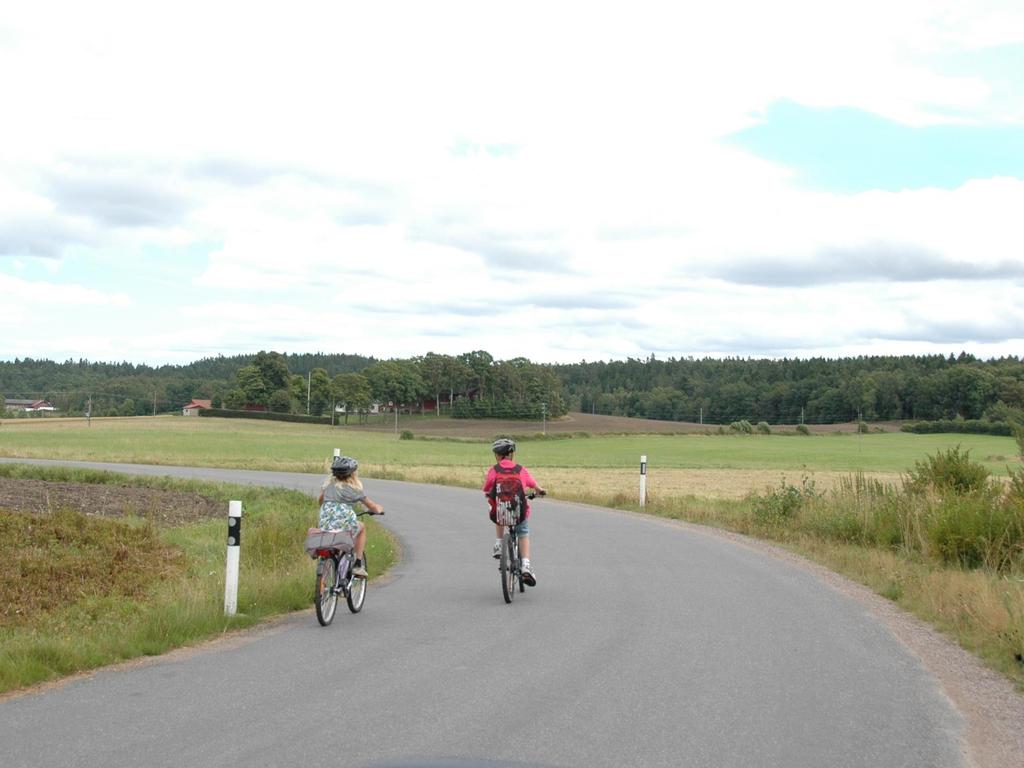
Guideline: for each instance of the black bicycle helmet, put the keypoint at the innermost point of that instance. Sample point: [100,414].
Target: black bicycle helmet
[503,446]
[343,466]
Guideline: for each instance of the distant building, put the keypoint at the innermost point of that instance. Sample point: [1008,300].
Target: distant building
[194,407]
[27,405]
[374,408]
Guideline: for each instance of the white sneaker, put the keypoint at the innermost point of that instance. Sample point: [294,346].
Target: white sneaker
[497,550]
[359,570]
[529,578]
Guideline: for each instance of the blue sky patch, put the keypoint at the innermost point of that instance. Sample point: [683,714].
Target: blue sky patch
[152,275]
[850,150]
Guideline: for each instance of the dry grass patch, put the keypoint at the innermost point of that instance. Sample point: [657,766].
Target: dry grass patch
[593,484]
[49,561]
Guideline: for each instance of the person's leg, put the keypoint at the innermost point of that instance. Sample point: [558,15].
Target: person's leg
[359,567]
[360,541]
[523,533]
[498,532]
[529,577]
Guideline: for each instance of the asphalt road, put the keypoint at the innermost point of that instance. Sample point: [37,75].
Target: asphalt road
[643,644]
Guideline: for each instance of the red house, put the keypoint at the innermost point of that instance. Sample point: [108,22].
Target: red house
[193,408]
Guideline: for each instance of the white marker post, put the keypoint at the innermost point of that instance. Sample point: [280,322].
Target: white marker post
[337,452]
[643,480]
[234,542]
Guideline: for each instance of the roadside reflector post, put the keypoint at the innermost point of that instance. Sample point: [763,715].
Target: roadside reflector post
[234,542]
[643,480]
[337,452]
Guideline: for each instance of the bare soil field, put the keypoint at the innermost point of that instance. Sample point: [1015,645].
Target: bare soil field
[167,508]
[594,424]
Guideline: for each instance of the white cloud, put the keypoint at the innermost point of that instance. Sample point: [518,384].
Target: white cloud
[374,173]
[28,293]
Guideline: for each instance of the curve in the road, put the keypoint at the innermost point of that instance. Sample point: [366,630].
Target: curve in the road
[645,643]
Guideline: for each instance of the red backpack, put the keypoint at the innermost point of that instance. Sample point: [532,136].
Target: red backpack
[509,495]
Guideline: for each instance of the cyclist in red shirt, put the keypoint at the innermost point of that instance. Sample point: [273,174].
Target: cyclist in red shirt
[504,453]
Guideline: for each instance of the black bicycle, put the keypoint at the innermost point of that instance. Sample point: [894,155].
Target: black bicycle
[510,566]
[335,557]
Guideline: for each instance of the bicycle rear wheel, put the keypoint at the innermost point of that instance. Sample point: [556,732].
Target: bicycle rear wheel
[357,590]
[506,567]
[326,597]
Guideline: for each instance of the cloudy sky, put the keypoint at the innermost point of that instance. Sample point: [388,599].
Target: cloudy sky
[561,181]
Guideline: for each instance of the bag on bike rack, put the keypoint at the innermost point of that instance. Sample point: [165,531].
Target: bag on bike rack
[317,540]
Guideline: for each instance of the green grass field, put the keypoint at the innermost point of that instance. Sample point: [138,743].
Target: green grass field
[282,446]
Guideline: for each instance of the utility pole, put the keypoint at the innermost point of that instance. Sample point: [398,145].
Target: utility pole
[154,402]
[88,412]
[544,418]
[309,386]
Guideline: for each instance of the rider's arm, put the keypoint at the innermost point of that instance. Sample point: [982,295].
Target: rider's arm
[373,506]
[529,482]
[492,477]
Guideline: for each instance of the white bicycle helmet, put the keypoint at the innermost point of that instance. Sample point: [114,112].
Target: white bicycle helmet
[503,446]
[343,466]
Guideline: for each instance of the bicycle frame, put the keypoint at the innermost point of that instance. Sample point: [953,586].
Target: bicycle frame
[342,567]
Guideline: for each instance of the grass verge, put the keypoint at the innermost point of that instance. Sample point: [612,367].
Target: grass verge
[82,592]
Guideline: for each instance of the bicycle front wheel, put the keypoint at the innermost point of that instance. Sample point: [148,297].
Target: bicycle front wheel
[326,597]
[357,590]
[506,567]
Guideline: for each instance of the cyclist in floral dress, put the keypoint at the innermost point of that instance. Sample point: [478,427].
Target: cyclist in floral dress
[338,495]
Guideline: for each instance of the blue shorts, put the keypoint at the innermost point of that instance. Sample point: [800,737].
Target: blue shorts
[523,529]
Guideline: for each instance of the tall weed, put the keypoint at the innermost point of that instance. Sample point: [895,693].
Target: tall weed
[782,504]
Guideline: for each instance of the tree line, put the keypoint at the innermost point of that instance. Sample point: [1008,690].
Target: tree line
[476,385]
[469,385]
[128,389]
[794,391]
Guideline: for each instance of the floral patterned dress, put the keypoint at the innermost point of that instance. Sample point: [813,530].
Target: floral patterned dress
[337,513]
